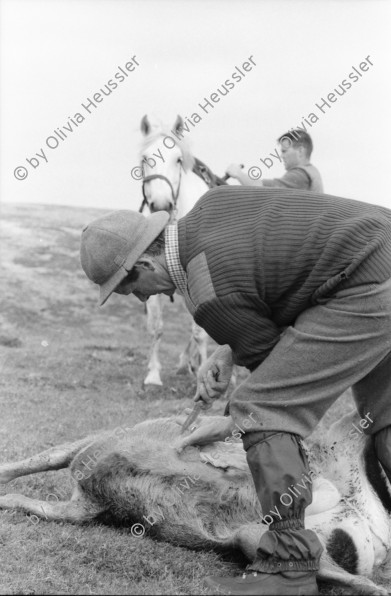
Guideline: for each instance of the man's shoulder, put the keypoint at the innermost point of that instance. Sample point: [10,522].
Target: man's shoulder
[309,175]
[295,178]
[307,168]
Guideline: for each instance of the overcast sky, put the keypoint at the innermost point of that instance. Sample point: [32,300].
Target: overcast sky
[55,54]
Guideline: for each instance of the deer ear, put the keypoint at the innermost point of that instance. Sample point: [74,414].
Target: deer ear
[178,124]
[145,125]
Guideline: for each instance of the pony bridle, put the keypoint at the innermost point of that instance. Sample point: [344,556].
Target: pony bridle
[174,193]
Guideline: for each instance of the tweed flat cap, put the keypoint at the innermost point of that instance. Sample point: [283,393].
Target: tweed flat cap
[112,244]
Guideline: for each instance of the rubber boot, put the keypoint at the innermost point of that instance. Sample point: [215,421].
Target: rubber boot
[288,555]
[277,584]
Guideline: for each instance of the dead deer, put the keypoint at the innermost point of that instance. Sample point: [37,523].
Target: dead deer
[204,497]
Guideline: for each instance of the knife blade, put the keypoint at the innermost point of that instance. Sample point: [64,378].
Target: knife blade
[197,408]
[192,417]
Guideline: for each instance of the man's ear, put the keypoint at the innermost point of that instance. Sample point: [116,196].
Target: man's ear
[146,262]
[302,151]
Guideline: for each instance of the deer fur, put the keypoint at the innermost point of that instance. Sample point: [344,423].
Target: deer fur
[204,498]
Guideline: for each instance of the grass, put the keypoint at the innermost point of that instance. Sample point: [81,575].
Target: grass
[68,369]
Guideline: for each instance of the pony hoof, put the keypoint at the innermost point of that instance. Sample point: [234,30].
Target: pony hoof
[183,369]
[153,380]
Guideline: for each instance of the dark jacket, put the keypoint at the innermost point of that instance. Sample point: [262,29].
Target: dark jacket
[256,258]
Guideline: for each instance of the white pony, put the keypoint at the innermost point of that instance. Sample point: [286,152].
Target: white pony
[171,184]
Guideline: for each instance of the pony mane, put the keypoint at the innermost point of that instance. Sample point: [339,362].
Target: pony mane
[188,158]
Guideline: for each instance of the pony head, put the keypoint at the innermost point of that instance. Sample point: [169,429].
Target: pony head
[165,158]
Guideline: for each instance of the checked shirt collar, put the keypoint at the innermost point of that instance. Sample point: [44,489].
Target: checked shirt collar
[175,269]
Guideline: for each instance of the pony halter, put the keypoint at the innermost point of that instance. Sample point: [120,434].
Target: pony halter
[173,193]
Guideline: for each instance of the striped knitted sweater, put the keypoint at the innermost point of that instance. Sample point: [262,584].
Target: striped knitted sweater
[256,258]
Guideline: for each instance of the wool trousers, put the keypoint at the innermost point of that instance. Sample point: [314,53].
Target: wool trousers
[343,341]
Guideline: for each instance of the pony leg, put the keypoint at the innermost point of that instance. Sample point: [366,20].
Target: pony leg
[234,377]
[78,510]
[54,458]
[196,351]
[155,329]
[201,340]
[184,358]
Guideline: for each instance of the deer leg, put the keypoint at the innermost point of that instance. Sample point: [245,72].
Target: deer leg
[155,329]
[78,510]
[54,458]
[247,537]
[330,572]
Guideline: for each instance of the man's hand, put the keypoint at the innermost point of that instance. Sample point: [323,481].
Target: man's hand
[214,376]
[205,431]
[234,170]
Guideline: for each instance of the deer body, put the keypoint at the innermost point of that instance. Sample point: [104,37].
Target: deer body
[205,498]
